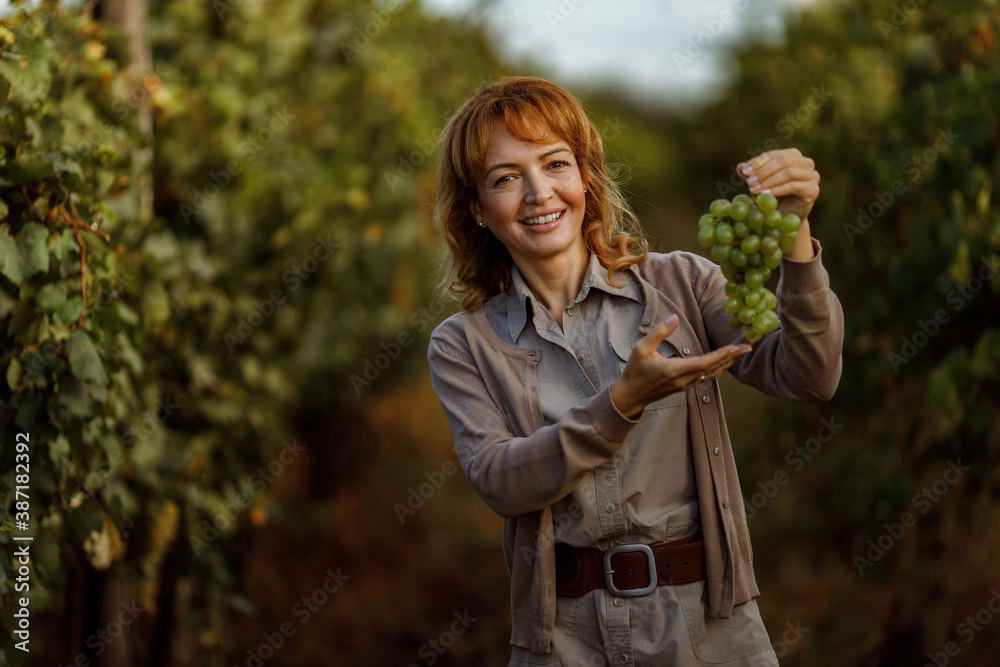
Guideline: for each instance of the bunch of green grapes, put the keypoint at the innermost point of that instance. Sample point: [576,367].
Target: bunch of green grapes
[748,238]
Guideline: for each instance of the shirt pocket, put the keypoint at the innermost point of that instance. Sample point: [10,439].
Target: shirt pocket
[623,349]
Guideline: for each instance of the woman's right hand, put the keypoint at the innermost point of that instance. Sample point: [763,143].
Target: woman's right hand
[648,376]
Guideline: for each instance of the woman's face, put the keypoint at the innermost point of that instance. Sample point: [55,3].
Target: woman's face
[531,197]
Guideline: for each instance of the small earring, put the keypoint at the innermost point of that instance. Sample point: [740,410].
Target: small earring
[482,224]
[585,189]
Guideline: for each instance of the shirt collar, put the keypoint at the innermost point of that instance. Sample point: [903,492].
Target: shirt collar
[597,276]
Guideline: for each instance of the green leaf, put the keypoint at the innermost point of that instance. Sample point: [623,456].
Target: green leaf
[64,246]
[51,297]
[13,373]
[26,255]
[28,84]
[155,304]
[70,310]
[84,360]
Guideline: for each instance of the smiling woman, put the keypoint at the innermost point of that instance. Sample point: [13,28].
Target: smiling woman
[579,383]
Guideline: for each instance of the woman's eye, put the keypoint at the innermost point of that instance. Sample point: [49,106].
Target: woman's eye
[502,180]
[559,163]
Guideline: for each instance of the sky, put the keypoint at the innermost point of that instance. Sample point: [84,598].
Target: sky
[665,52]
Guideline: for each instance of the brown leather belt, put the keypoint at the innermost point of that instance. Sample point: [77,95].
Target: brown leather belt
[624,569]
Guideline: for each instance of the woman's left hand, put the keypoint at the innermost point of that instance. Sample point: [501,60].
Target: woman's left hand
[792,178]
[788,174]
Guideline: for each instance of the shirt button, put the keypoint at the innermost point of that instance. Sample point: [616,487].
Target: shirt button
[718,450]
[645,321]
[569,311]
[610,507]
[623,659]
[617,602]
[705,399]
[686,351]
[725,503]
[579,358]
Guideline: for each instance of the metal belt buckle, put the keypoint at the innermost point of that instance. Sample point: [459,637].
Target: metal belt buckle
[608,572]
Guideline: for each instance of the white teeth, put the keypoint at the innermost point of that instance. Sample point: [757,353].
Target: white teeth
[541,220]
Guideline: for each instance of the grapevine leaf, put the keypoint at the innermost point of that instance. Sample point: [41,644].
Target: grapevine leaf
[84,360]
[52,296]
[70,310]
[64,246]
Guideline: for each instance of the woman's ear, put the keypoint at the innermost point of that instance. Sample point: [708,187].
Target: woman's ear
[476,210]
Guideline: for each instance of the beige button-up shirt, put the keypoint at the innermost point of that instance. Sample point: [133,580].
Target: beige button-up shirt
[522,466]
[646,491]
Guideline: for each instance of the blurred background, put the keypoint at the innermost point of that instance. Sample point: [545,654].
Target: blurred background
[217,261]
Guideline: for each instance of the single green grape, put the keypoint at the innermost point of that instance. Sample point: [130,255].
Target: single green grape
[761,306]
[724,233]
[768,245]
[755,219]
[767,202]
[743,199]
[789,223]
[752,298]
[738,257]
[706,220]
[732,287]
[728,270]
[787,242]
[753,278]
[765,273]
[734,322]
[770,299]
[740,230]
[773,260]
[751,334]
[720,208]
[750,244]
[771,233]
[706,236]
[720,253]
[746,314]
[772,219]
[732,305]
[738,211]
[743,290]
